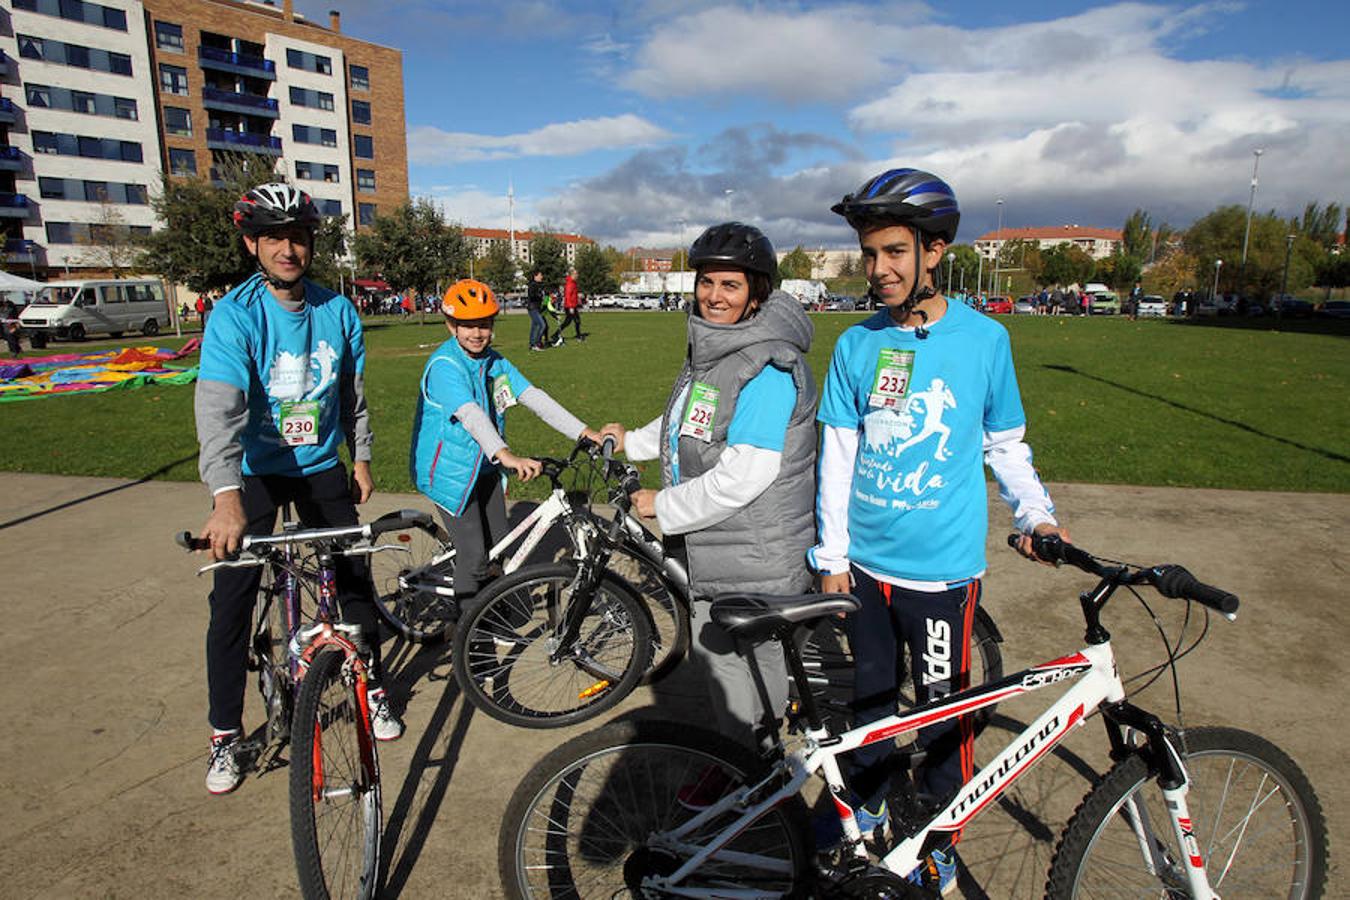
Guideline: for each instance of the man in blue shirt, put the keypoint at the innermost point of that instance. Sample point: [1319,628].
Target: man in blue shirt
[917,399]
[279,390]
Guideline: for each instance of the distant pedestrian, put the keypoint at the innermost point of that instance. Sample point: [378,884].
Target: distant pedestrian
[572,306]
[534,305]
[9,321]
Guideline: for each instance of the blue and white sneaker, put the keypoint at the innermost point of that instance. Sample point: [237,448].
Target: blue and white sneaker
[937,871]
[828,830]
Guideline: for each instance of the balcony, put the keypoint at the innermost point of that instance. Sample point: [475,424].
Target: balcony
[236,63]
[14,206]
[9,113]
[248,104]
[242,141]
[11,159]
[4,63]
[18,250]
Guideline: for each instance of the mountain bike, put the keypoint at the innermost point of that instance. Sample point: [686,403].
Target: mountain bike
[313,671]
[1197,812]
[415,586]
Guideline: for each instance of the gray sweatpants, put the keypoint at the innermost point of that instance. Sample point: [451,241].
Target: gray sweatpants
[747,685]
[473,532]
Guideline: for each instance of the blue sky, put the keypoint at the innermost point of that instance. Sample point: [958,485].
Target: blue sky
[642,122]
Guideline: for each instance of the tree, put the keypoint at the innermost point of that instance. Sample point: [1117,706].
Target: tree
[547,255]
[618,261]
[966,268]
[414,249]
[1119,270]
[1321,223]
[330,251]
[1219,236]
[110,244]
[199,245]
[1138,236]
[1176,271]
[594,275]
[498,269]
[1022,254]
[848,268]
[1066,264]
[796,264]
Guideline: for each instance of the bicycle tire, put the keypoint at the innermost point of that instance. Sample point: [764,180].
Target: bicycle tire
[829,665]
[503,640]
[271,656]
[579,826]
[1274,844]
[416,611]
[669,610]
[334,786]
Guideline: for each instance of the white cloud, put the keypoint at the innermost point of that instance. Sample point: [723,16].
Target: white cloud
[429,145]
[474,207]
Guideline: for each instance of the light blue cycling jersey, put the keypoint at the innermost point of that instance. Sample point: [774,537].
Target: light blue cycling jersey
[918,505]
[761,417]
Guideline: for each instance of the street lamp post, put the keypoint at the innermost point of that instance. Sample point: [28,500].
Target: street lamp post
[1214,292]
[1284,282]
[979,276]
[1251,200]
[998,242]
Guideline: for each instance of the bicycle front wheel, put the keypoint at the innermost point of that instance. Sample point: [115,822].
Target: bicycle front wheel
[588,821]
[1258,825]
[669,610]
[414,582]
[334,785]
[507,657]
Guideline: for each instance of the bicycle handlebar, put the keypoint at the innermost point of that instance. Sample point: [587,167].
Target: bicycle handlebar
[400,520]
[1170,580]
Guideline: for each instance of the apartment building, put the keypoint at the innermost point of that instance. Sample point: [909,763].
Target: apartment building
[1098,243]
[481,241]
[99,98]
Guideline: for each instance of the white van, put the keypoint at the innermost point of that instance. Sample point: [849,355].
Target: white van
[74,309]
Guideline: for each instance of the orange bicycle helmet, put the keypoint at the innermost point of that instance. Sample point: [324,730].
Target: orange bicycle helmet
[469,299]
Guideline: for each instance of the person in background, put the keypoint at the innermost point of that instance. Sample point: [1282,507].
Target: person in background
[571,306]
[534,305]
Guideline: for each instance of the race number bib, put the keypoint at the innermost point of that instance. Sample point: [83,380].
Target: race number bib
[503,398]
[700,413]
[300,422]
[894,368]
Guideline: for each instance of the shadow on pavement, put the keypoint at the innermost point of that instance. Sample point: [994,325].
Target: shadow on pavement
[1070,370]
[149,476]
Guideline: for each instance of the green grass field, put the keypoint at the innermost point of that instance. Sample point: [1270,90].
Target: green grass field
[1108,401]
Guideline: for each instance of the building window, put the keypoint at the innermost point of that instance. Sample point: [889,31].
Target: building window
[119,63]
[360,112]
[39,95]
[366,213]
[329,207]
[52,188]
[125,108]
[360,78]
[173,80]
[330,174]
[178,121]
[365,180]
[59,233]
[169,36]
[182,162]
[45,142]
[77,56]
[137,195]
[311,99]
[77,11]
[82,102]
[365,146]
[32,47]
[96,191]
[310,62]
[304,171]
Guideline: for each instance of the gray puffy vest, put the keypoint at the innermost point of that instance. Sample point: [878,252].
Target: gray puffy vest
[761,547]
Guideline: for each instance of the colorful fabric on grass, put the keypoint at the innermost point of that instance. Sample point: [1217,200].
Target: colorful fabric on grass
[82,373]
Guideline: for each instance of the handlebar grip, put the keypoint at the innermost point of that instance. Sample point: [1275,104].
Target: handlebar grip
[607,446]
[1176,581]
[185,540]
[1052,548]
[401,520]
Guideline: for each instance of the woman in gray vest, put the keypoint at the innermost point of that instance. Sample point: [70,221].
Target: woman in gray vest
[737,444]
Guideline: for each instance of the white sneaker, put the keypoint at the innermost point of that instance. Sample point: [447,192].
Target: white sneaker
[222,768]
[383,722]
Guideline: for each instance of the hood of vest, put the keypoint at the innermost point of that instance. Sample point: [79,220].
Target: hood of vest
[780,318]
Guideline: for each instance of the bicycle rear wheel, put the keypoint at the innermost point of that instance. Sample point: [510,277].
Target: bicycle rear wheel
[587,820]
[829,666]
[414,584]
[505,638]
[669,611]
[1258,825]
[334,785]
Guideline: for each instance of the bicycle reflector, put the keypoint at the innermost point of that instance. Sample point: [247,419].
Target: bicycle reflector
[597,688]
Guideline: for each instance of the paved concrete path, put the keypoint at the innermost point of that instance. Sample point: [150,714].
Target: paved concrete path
[101,783]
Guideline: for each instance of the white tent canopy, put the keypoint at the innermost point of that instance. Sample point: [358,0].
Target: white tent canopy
[10,282]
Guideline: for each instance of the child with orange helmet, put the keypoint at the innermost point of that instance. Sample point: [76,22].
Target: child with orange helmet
[458,448]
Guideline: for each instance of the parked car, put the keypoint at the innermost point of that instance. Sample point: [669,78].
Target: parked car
[1335,309]
[1151,306]
[1024,306]
[1291,307]
[999,306]
[1105,303]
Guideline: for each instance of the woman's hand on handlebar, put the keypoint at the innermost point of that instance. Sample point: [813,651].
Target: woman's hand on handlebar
[1024,542]
[613,430]
[644,502]
[526,469]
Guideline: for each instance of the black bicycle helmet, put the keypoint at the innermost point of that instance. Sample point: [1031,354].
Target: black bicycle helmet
[269,207]
[736,244]
[907,197]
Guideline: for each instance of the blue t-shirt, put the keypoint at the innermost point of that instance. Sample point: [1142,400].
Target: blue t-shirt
[763,411]
[276,356]
[917,505]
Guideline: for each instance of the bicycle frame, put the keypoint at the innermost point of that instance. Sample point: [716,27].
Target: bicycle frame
[1098,686]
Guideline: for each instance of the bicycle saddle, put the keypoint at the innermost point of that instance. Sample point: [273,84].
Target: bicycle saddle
[761,617]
